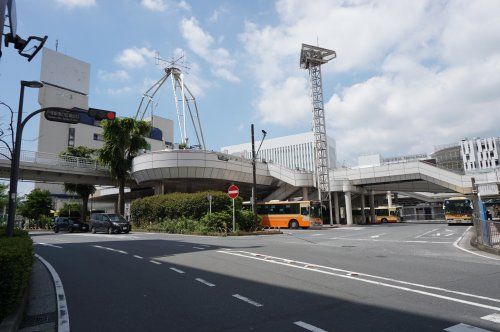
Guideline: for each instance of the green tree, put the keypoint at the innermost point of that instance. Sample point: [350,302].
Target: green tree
[123,139]
[82,190]
[36,204]
[70,210]
[3,196]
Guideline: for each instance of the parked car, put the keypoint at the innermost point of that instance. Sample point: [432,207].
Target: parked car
[70,225]
[109,223]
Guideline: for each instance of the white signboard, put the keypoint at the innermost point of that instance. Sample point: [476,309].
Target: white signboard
[488,189]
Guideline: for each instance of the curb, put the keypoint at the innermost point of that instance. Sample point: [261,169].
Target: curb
[482,247]
[11,323]
[62,307]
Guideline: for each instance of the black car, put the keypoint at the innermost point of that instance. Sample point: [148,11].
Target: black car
[70,225]
[109,223]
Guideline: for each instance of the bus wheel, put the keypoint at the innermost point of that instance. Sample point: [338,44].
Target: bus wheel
[293,224]
[384,220]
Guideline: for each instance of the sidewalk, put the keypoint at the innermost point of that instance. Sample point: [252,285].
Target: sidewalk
[41,311]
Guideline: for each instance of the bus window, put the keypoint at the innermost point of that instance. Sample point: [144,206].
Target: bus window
[304,211]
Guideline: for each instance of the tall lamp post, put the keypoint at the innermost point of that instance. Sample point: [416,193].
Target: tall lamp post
[254,171]
[14,164]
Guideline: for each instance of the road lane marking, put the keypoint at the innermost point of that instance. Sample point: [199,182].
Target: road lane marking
[49,245]
[155,262]
[455,244]
[433,230]
[209,284]
[465,328]
[62,312]
[199,248]
[492,318]
[177,270]
[317,234]
[139,257]
[359,277]
[396,241]
[247,300]
[309,327]
[110,249]
[378,235]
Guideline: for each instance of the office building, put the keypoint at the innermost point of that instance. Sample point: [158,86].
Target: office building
[480,153]
[293,151]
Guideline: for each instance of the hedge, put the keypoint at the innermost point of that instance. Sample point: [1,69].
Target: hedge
[16,261]
[154,209]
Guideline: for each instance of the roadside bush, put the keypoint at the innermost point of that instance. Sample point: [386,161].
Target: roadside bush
[245,221]
[220,222]
[16,260]
[45,222]
[154,209]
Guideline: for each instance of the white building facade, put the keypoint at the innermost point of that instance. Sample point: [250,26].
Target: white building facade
[480,153]
[294,151]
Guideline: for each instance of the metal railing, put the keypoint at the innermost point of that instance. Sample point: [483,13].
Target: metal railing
[51,159]
[488,233]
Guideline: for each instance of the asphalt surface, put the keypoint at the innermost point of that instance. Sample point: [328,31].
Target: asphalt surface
[395,277]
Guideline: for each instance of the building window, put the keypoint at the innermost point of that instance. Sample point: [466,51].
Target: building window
[71,137]
[98,137]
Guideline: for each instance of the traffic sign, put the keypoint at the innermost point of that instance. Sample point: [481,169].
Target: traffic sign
[62,115]
[233,191]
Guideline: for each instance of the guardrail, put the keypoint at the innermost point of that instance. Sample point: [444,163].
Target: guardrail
[51,159]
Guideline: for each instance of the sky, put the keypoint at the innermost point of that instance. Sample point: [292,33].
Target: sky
[409,75]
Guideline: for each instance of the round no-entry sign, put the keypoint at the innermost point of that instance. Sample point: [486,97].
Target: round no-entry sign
[233,191]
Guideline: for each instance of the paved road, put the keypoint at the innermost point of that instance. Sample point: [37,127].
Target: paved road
[381,277]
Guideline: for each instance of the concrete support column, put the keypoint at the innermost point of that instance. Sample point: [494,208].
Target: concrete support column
[348,208]
[159,189]
[373,218]
[363,214]
[336,207]
[389,199]
[305,194]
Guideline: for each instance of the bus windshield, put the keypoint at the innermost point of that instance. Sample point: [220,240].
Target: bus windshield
[316,209]
[458,206]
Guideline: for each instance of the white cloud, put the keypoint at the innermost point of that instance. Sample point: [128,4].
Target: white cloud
[408,74]
[217,13]
[119,91]
[134,57]
[202,43]
[116,76]
[184,5]
[154,5]
[76,3]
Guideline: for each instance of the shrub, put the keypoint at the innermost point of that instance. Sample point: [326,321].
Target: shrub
[245,220]
[16,260]
[220,222]
[154,209]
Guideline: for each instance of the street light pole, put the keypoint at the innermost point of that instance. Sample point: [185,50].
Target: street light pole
[254,174]
[14,164]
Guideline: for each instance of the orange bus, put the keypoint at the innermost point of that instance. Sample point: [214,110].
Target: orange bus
[290,214]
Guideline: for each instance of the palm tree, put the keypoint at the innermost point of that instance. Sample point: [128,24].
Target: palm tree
[82,190]
[123,139]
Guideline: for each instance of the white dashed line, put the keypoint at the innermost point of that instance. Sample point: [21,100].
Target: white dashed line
[492,318]
[139,257]
[247,300]
[50,245]
[433,230]
[155,262]
[111,249]
[464,328]
[317,234]
[309,327]
[199,248]
[177,270]
[205,282]
[378,235]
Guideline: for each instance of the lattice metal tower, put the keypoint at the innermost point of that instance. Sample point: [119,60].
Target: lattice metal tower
[184,100]
[311,58]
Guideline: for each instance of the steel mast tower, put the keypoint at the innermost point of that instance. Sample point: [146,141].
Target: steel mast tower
[311,58]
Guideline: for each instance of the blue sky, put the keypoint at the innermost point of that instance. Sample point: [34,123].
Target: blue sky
[409,75]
